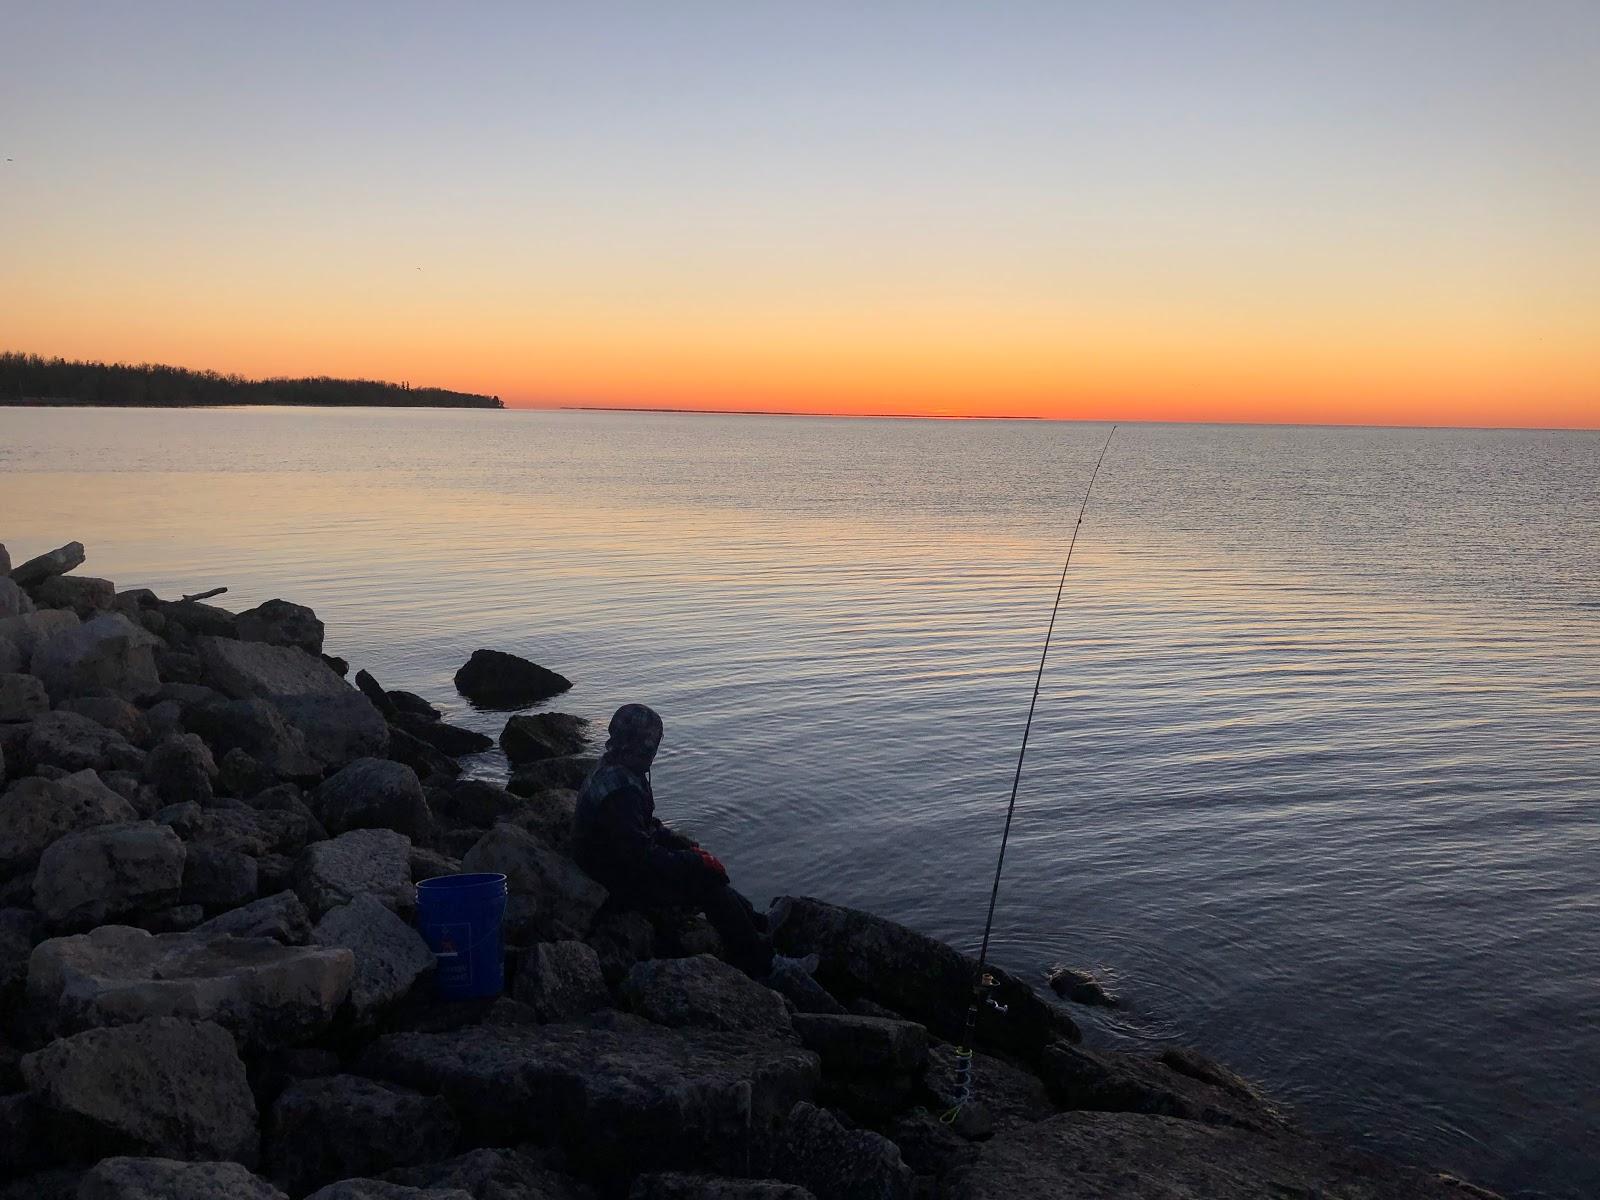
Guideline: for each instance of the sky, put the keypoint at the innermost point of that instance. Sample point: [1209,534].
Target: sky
[1383,213]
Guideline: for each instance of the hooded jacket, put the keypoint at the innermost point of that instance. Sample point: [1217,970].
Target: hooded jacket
[616,836]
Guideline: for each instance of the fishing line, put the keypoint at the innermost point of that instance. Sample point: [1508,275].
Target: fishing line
[964,1086]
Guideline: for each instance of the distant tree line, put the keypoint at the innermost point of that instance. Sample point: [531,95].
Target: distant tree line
[32,379]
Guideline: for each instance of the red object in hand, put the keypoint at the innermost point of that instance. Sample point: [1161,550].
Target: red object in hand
[712,862]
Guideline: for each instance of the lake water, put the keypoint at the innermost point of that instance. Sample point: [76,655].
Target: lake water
[1315,777]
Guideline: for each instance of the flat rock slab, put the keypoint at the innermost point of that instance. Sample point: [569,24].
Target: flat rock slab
[620,1096]
[165,1088]
[342,1126]
[171,1179]
[264,992]
[863,955]
[1126,1156]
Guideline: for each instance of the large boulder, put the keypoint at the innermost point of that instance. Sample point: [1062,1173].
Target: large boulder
[390,956]
[1110,1081]
[106,654]
[243,669]
[337,726]
[707,993]
[441,735]
[619,1098]
[75,743]
[528,737]
[181,769]
[22,697]
[48,565]
[256,727]
[164,1087]
[561,981]
[85,878]
[494,679]
[478,803]
[255,831]
[281,916]
[374,793]
[835,1163]
[341,1126]
[1128,1156]
[265,993]
[280,623]
[850,1044]
[215,877]
[83,594]
[170,1179]
[863,955]
[35,812]
[20,635]
[568,771]
[565,898]
[373,862]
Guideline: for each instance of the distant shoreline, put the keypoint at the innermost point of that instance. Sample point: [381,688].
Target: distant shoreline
[58,402]
[795,412]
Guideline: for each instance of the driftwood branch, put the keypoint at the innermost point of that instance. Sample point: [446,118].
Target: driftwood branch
[205,595]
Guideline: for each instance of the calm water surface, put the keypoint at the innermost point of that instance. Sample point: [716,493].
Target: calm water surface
[1315,778]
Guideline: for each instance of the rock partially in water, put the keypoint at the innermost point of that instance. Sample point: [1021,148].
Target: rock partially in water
[529,737]
[1081,988]
[1127,1156]
[166,1088]
[495,679]
[265,993]
[441,735]
[1112,1082]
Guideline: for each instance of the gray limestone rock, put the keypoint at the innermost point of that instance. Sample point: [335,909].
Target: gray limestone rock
[83,594]
[244,669]
[74,743]
[35,812]
[568,771]
[363,861]
[256,727]
[566,899]
[373,793]
[1110,1081]
[340,1126]
[21,634]
[215,877]
[528,737]
[170,1179]
[181,769]
[390,956]
[494,1175]
[52,563]
[281,917]
[378,1189]
[14,602]
[85,878]
[562,981]
[853,1045]
[107,653]
[22,697]
[705,992]
[164,1087]
[675,1185]
[263,992]
[835,1163]
[280,623]
[619,1096]
[114,713]
[495,679]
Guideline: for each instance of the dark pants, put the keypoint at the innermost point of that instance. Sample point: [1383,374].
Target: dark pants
[735,920]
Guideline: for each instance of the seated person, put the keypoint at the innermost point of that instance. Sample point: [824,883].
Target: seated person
[643,864]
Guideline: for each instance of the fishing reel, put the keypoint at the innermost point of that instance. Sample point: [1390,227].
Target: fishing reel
[986,986]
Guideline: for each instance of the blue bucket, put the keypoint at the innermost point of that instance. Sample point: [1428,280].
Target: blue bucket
[461,917]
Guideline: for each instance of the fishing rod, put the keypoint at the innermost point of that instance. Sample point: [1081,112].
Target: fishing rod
[981,981]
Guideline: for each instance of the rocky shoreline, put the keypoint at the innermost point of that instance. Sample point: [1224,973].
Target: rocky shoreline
[211,986]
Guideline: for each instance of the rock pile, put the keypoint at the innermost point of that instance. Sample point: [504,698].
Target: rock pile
[210,984]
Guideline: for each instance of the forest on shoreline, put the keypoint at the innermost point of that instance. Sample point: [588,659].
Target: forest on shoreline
[31,379]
